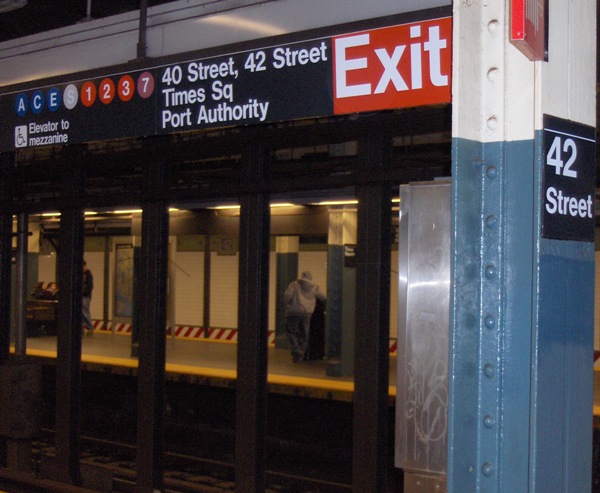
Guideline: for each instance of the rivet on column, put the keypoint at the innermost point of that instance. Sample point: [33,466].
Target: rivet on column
[490,321]
[487,469]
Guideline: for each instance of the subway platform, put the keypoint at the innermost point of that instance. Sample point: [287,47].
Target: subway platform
[208,362]
[214,362]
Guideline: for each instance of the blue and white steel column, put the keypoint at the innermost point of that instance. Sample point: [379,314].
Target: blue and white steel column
[341,291]
[286,250]
[514,336]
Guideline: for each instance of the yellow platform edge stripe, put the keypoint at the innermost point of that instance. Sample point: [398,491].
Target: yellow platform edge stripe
[274,379]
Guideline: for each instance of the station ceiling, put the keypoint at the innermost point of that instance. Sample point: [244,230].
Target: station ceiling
[19,18]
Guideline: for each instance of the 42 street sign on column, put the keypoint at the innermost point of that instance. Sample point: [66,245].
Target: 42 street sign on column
[385,67]
[568,180]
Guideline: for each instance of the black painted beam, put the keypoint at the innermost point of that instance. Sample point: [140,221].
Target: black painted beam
[6,225]
[152,294]
[69,329]
[371,408]
[252,359]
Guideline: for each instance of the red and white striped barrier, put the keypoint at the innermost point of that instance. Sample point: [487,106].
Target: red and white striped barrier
[188,332]
[118,328]
[200,333]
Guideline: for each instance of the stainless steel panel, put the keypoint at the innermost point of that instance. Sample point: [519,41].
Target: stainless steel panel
[421,483]
[423,327]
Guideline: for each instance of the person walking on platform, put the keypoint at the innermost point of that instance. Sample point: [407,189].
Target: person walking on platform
[300,299]
[87,287]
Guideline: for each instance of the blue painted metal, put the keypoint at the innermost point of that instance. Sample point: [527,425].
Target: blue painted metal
[490,325]
[341,282]
[563,368]
[519,233]
[521,379]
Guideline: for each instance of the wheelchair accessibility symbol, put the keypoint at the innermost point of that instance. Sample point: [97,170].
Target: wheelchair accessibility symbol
[21,136]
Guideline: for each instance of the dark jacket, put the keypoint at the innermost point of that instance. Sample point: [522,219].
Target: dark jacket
[88,284]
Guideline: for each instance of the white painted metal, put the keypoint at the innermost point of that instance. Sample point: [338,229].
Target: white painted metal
[178,27]
[486,67]
[569,77]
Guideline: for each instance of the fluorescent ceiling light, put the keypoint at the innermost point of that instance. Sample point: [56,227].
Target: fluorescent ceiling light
[224,207]
[240,23]
[127,211]
[336,202]
[57,214]
[346,202]
[283,204]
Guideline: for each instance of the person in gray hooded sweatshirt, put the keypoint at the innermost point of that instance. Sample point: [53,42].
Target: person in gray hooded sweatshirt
[300,299]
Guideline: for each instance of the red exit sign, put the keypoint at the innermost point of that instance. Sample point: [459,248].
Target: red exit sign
[393,67]
[528,27]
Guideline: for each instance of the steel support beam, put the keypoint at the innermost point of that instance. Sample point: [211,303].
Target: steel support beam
[106,293]
[68,372]
[152,275]
[341,291]
[6,224]
[286,251]
[493,242]
[21,282]
[521,366]
[206,285]
[371,355]
[253,303]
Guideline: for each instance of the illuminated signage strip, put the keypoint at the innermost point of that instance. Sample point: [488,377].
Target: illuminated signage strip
[396,66]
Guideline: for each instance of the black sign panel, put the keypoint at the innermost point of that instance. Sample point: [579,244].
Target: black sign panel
[117,106]
[271,84]
[382,67]
[568,180]
[265,85]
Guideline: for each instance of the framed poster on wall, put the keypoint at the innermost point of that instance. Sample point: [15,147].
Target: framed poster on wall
[124,280]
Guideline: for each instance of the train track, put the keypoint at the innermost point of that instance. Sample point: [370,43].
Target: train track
[183,473]
[311,455]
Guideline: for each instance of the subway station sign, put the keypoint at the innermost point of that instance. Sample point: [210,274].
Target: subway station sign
[385,67]
[568,180]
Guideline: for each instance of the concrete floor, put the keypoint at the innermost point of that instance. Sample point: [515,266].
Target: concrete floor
[206,358]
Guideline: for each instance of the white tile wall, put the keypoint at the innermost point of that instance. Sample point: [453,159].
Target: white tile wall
[47,268]
[188,275]
[316,263]
[95,263]
[224,291]
[187,269]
